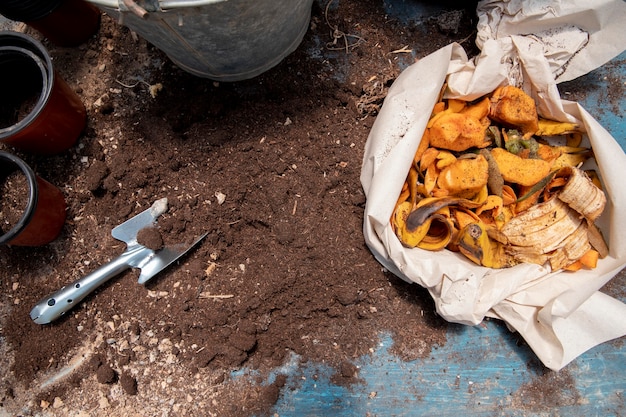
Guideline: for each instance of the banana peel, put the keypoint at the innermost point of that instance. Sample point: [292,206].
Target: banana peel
[575,157]
[428,226]
[438,235]
[543,226]
[574,246]
[553,128]
[581,194]
[475,244]
[409,238]
[560,230]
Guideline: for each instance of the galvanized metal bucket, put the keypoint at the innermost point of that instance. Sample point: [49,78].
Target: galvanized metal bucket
[224,40]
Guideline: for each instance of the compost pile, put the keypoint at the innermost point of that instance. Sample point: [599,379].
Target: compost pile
[269,167]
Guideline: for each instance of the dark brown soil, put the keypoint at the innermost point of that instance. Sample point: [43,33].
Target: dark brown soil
[14,197]
[269,168]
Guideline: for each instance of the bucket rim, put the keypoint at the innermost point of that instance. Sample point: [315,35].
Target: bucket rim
[44,95]
[163,4]
[33,195]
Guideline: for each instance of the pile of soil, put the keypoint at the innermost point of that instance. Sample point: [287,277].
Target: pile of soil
[269,169]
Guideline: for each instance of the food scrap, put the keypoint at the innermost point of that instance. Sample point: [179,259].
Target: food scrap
[496,182]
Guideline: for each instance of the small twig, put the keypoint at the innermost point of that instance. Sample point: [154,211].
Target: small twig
[466,38]
[215,296]
[133,85]
[403,50]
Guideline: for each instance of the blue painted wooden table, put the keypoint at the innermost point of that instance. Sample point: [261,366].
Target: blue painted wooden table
[482,370]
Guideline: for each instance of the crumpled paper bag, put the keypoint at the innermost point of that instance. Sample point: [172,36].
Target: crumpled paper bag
[559,314]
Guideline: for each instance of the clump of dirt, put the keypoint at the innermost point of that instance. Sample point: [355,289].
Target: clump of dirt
[105,374]
[151,238]
[128,383]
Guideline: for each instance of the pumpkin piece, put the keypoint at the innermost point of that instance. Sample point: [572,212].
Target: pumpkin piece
[445,158]
[430,178]
[529,201]
[465,177]
[428,158]
[438,116]
[478,111]
[553,187]
[590,259]
[463,217]
[421,148]
[527,192]
[512,107]
[439,107]
[573,267]
[455,105]
[548,153]
[494,203]
[440,193]
[508,195]
[517,170]
[458,132]
[481,196]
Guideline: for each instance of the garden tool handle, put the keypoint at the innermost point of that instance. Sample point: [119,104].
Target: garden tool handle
[56,304]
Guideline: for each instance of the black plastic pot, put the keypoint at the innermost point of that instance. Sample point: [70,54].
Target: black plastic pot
[63,22]
[44,212]
[39,112]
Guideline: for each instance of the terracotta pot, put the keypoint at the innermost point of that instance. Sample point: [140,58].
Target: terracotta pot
[39,112]
[63,22]
[44,213]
